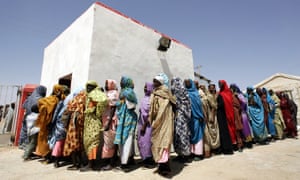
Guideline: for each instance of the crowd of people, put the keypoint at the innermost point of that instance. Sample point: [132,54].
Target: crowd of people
[95,128]
[7,114]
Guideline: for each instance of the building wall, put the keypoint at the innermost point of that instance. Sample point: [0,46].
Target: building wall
[282,83]
[122,46]
[103,43]
[69,53]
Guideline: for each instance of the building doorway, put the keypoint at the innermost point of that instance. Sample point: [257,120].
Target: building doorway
[66,80]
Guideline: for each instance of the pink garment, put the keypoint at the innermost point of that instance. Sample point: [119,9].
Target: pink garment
[108,149]
[165,156]
[58,148]
[197,149]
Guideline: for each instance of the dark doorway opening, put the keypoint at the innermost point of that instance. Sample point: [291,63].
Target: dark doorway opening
[66,80]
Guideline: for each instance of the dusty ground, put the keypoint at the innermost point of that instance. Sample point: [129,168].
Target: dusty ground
[279,160]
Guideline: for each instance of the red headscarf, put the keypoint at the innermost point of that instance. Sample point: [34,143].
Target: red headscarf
[227,96]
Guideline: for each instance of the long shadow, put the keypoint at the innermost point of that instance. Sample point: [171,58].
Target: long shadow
[137,164]
[164,64]
[176,168]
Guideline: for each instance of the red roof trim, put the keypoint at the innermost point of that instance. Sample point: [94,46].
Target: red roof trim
[138,22]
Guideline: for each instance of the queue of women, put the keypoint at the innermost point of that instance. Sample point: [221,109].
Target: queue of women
[95,128]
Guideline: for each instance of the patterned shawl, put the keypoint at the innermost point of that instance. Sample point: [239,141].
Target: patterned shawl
[58,129]
[127,118]
[182,118]
[96,103]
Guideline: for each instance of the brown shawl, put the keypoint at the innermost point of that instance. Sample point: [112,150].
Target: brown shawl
[161,116]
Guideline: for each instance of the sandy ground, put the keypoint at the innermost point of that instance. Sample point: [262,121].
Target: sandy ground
[278,160]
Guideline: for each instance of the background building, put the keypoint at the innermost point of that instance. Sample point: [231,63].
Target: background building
[284,82]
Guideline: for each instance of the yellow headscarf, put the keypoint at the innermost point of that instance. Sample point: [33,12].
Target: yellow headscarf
[58,90]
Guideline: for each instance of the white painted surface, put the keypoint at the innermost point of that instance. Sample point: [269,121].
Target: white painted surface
[69,53]
[102,44]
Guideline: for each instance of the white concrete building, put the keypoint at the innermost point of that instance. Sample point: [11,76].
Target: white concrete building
[284,82]
[106,44]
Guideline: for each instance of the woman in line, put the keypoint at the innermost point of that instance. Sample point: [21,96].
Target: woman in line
[96,102]
[73,146]
[271,113]
[127,120]
[32,100]
[225,116]
[161,117]
[57,135]
[256,115]
[144,128]
[237,110]
[109,121]
[47,107]
[247,131]
[182,120]
[278,117]
[38,92]
[211,133]
[197,123]
[291,130]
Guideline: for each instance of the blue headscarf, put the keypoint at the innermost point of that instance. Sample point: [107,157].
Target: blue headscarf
[165,79]
[233,85]
[270,101]
[127,92]
[38,92]
[127,118]
[197,119]
[256,115]
[195,101]
[271,113]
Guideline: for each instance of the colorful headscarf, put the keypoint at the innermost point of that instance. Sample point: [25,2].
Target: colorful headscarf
[235,86]
[38,92]
[196,103]
[163,79]
[92,83]
[269,99]
[127,86]
[226,94]
[111,84]
[126,82]
[112,92]
[58,90]
[149,88]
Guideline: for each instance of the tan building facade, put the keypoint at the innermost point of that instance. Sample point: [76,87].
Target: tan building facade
[284,82]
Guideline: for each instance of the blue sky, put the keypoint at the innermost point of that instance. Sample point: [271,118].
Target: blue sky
[241,41]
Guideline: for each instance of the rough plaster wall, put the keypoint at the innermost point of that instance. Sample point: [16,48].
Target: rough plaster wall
[122,47]
[69,53]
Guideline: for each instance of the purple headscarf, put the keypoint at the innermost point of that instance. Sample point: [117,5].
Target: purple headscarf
[144,142]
